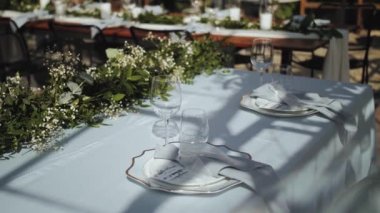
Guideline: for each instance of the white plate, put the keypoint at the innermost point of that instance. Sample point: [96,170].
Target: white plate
[250,103]
[278,107]
[144,168]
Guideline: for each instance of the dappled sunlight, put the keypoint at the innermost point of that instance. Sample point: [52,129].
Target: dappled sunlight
[306,152]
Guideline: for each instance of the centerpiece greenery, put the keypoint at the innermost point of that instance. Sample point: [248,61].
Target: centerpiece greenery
[82,11]
[75,95]
[24,5]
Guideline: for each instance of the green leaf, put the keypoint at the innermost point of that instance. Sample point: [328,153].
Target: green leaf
[112,52]
[86,98]
[75,102]
[118,97]
[87,78]
[26,101]
[134,78]
[74,88]
[65,98]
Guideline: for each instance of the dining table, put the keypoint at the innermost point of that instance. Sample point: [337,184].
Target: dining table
[93,169]
[336,63]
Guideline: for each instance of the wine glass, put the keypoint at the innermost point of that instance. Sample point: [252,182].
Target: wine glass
[261,56]
[165,96]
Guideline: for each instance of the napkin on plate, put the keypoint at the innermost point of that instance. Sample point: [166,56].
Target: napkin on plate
[329,108]
[217,163]
[255,175]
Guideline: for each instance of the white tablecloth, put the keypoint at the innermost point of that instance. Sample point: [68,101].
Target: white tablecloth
[88,173]
[336,63]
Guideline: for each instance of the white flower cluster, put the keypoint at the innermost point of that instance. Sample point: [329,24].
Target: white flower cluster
[92,71]
[112,110]
[61,73]
[11,84]
[46,132]
[66,113]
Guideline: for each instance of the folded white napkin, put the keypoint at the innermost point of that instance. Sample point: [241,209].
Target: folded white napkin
[329,108]
[210,160]
[217,163]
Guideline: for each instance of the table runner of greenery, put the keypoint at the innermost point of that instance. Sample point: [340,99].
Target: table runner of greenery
[75,95]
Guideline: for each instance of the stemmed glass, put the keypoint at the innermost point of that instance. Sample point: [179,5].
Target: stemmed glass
[261,56]
[165,96]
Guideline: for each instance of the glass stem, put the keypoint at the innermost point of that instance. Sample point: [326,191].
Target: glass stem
[166,130]
[261,72]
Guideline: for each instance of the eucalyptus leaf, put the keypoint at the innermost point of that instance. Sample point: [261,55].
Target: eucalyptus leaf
[118,97]
[112,53]
[134,78]
[75,102]
[65,98]
[87,78]
[74,88]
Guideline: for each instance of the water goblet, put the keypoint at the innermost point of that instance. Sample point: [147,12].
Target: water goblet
[165,96]
[261,56]
[194,129]
[194,126]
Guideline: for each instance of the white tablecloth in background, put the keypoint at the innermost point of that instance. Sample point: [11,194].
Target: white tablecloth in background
[336,64]
[88,174]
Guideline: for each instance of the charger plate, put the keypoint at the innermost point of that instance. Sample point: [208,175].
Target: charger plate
[151,173]
[257,105]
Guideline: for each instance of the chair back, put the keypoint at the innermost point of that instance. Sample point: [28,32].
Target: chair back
[353,17]
[86,40]
[7,25]
[13,49]
[139,36]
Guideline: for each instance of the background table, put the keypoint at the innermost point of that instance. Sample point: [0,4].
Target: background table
[88,173]
[336,64]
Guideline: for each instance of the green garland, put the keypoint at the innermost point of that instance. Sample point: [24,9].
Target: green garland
[160,19]
[95,13]
[75,95]
[24,5]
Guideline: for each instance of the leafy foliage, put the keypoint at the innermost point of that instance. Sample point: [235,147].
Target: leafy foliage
[75,95]
[149,17]
[24,5]
[231,24]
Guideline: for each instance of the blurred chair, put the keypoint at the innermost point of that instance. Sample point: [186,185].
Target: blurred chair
[139,36]
[344,16]
[14,55]
[86,40]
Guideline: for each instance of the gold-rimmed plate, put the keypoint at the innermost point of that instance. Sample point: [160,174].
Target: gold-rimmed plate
[143,170]
[248,102]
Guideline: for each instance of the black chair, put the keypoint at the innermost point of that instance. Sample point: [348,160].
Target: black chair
[86,40]
[14,54]
[345,16]
[139,36]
